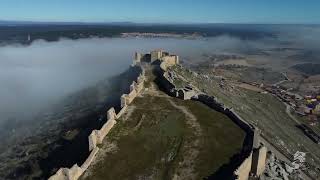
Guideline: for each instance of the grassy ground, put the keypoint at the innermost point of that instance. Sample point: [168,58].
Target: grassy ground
[264,111]
[218,144]
[153,139]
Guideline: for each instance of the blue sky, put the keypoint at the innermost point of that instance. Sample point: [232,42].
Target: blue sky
[172,11]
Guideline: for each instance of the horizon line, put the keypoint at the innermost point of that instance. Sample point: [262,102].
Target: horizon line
[150,23]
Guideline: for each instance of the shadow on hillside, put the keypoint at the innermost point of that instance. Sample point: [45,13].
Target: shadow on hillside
[226,171]
[87,111]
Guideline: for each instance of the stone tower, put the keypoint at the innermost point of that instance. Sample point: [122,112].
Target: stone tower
[155,55]
[259,157]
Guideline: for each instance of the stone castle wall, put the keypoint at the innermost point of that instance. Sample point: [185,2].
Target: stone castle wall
[259,161]
[243,171]
[247,162]
[170,60]
[156,55]
[135,89]
[254,154]
[96,137]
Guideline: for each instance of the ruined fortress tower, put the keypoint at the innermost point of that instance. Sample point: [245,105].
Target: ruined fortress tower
[254,158]
[157,55]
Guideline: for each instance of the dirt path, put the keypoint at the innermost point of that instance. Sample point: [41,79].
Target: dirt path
[153,91]
[191,119]
[186,167]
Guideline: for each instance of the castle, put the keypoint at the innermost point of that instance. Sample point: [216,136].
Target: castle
[156,55]
[253,162]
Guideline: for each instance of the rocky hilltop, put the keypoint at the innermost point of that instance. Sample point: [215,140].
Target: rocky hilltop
[169,129]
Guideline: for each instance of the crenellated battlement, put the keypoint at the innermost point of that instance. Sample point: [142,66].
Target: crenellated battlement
[97,136]
[156,55]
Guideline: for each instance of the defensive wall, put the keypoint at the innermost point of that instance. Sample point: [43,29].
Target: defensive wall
[248,159]
[252,156]
[97,136]
[157,55]
[251,161]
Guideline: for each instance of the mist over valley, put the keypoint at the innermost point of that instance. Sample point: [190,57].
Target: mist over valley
[54,91]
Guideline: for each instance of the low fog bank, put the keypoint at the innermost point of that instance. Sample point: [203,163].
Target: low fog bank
[34,76]
[307,37]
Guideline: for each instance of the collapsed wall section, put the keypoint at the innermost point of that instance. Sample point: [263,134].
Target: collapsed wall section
[96,137]
[165,84]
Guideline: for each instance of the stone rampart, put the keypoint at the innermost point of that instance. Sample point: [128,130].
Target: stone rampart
[253,155]
[93,139]
[186,94]
[96,137]
[89,160]
[111,113]
[68,174]
[135,89]
[239,121]
[123,109]
[170,60]
[165,83]
[105,129]
[61,174]
[211,102]
[243,171]
[259,161]
[163,66]
[246,163]
[214,103]
[75,171]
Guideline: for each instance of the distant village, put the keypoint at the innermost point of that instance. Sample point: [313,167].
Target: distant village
[307,106]
[304,106]
[160,35]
